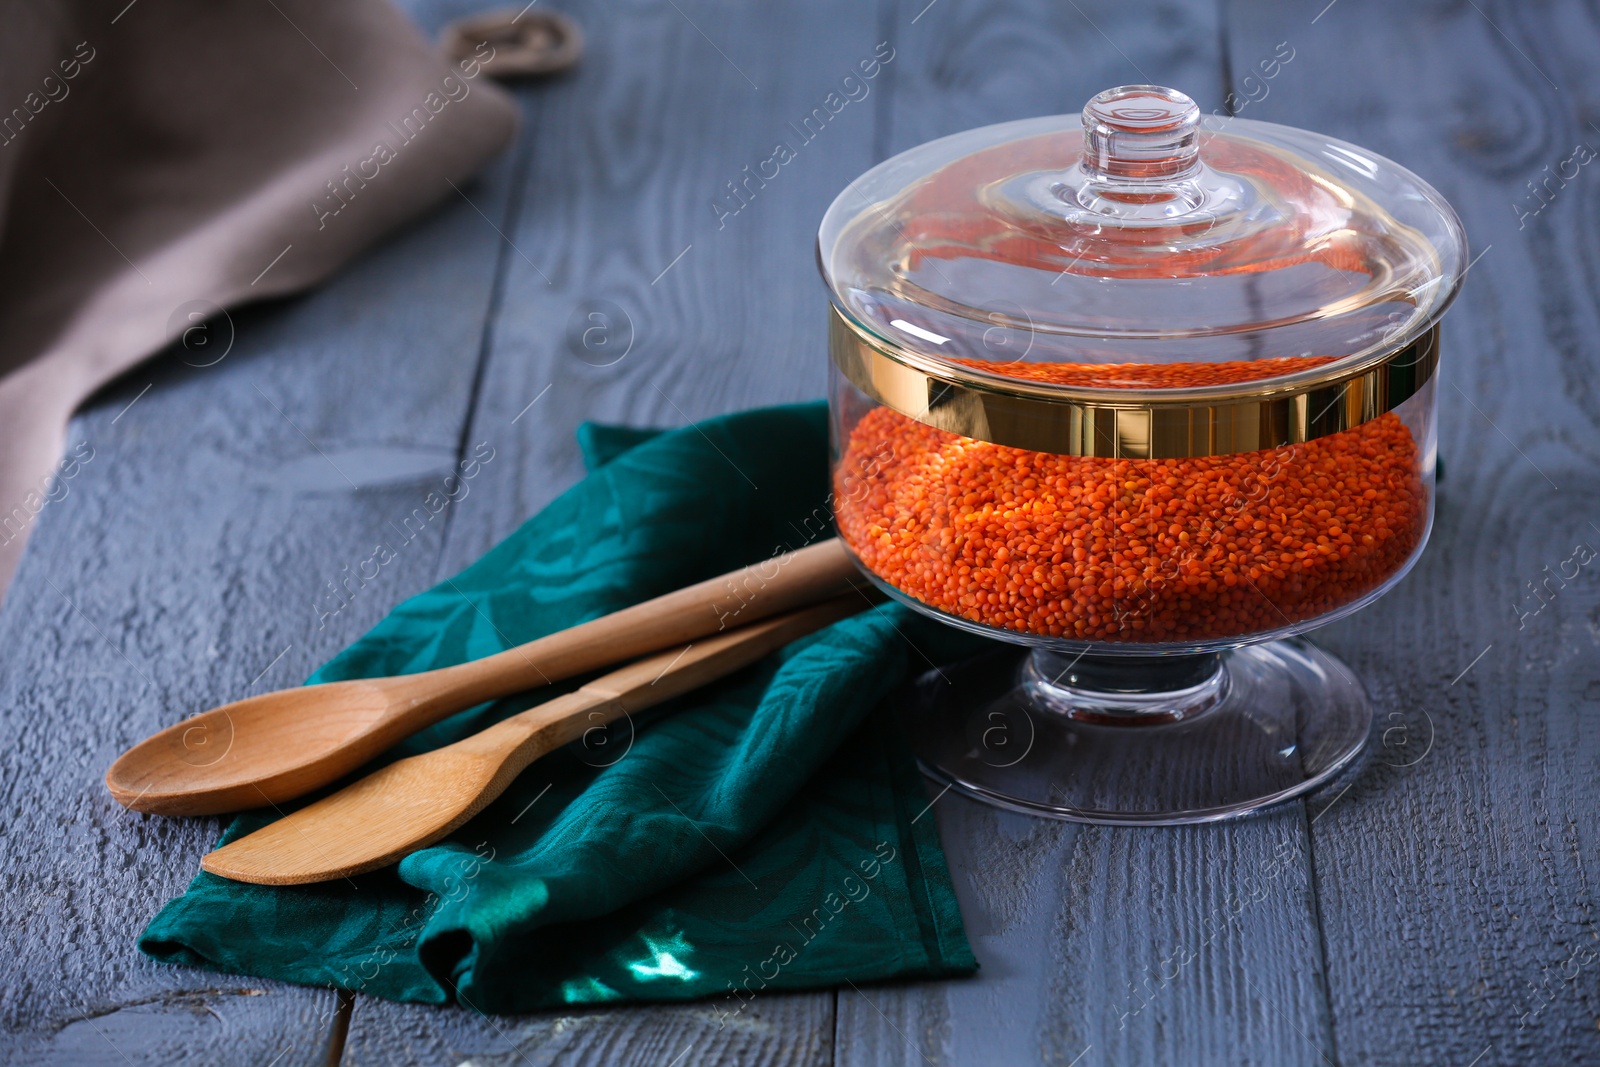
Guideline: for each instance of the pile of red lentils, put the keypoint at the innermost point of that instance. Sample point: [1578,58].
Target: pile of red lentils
[1149,375]
[1165,550]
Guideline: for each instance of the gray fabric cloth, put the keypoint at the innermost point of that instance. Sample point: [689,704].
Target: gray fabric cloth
[173,156]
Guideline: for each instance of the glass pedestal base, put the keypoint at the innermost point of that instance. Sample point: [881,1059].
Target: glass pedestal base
[1140,740]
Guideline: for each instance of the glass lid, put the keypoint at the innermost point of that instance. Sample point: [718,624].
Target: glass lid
[1142,248]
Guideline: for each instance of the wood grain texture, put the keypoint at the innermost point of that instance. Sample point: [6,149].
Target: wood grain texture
[187,564]
[625,161]
[1193,945]
[970,64]
[788,1030]
[1456,883]
[1439,910]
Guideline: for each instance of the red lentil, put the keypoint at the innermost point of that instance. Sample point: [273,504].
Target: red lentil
[1149,375]
[1099,549]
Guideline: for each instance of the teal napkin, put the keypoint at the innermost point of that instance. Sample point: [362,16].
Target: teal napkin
[763,833]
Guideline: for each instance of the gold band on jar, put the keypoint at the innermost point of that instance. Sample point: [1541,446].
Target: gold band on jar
[1132,423]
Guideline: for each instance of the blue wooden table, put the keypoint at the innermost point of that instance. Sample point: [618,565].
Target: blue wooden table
[1437,908]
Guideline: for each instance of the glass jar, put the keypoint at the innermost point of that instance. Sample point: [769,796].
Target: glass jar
[1154,397]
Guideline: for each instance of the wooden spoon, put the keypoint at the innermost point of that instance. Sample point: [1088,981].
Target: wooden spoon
[278,746]
[414,802]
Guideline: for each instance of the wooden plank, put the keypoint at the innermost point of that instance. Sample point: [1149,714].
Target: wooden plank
[1191,945]
[631,162]
[1457,893]
[1183,946]
[707,304]
[968,64]
[789,1030]
[188,564]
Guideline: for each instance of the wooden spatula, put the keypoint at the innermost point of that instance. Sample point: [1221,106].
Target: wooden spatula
[414,802]
[271,748]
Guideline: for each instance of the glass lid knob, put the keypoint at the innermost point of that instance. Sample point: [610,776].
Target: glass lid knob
[1141,161]
[1141,134]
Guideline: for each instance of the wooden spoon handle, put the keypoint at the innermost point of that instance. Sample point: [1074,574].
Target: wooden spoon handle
[649,682]
[415,802]
[742,596]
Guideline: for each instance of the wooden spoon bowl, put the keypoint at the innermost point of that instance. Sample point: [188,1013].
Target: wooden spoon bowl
[292,742]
